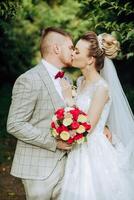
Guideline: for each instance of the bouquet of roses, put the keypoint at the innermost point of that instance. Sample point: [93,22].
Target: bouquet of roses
[70,125]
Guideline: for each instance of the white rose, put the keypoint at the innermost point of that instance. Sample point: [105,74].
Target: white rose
[64,135]
[67,121]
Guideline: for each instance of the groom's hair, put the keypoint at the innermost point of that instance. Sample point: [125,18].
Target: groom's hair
[48,30]
[46,38]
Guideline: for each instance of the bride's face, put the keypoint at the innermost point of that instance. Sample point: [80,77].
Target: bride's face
[81,54]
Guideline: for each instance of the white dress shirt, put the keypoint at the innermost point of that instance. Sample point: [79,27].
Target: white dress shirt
[52,71]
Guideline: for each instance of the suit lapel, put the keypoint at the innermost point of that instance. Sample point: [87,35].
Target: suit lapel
[55,97]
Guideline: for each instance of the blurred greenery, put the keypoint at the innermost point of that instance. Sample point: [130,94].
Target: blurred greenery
[5,142]
[21,22]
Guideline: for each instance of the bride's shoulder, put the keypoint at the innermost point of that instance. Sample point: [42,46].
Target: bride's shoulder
[102,83]
[102,86]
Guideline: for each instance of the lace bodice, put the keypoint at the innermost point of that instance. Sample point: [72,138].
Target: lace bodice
[84,98]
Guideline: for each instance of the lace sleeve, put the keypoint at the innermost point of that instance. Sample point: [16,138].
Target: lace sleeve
[79,80]
[99,99]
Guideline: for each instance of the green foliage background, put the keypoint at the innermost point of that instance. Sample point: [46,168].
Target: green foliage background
[21,22]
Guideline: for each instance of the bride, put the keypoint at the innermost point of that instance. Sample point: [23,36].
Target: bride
[100,169]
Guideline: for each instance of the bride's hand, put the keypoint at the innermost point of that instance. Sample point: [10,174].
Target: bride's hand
[108,134]
[67,92]
[66,88]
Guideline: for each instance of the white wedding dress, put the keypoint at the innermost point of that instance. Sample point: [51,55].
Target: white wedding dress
[94,169]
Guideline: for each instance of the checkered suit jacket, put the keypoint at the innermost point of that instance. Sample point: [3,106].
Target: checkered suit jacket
[34,100]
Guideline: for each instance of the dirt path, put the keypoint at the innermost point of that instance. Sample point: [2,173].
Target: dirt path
[10,187]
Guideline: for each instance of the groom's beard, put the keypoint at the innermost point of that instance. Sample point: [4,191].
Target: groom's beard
[67,60]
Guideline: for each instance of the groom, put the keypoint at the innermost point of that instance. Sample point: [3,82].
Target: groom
[39,159]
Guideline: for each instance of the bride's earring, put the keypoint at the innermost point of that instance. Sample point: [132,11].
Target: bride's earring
[90,60]
[91,63]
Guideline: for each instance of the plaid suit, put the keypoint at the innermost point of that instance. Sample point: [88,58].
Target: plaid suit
[34,101]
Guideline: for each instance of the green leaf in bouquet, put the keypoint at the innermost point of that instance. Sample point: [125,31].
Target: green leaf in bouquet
[85,133]
[59,122]
[85,139]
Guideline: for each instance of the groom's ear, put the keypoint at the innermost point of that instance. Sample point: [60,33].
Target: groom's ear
[91,60]
[56,49]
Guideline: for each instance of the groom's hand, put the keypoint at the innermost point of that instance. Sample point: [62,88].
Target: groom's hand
[63,145]
[107,133]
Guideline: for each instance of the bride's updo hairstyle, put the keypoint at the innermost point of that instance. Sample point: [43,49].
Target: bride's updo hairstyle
[109,44]
[101,46]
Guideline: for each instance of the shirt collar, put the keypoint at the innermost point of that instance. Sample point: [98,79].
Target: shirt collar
[52,70]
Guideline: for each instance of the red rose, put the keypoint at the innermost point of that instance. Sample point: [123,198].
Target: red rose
[60,110]
[79,136]
[58,129]
[86,125]
[75,125]
[61,128]
[70,140]
[60,116]
[60,113]
[75,113]
[53,125]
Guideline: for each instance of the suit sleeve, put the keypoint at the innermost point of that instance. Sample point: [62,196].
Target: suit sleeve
[24,98]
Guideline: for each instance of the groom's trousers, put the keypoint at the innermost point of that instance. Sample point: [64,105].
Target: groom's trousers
[48,189]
